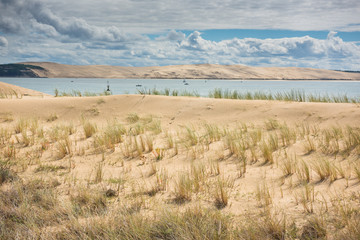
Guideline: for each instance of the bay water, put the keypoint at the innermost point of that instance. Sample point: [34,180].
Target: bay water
[200,86]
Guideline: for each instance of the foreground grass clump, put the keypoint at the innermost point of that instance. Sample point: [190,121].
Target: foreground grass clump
[9,94]
[222,192]
[191,224]
[6,175]
[112,135]
[183,188]
[89,128]
[17,219]
[87,201]
[133,117]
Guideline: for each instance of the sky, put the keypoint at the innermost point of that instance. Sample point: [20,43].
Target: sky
[284,33]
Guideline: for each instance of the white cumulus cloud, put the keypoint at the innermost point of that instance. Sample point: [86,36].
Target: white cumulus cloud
[3,42]
[297,47]
[305,51]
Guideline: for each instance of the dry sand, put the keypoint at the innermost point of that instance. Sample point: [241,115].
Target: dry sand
[176,113]
[184,110]
[197,71]
[12,91]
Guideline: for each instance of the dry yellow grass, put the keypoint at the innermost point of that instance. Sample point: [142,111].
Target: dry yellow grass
[170,168]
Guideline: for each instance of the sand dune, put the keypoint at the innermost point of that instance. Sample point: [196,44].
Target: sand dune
[200,71]
[92,165]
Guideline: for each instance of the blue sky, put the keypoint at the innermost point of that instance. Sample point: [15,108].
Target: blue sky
[222,34]
[307,33]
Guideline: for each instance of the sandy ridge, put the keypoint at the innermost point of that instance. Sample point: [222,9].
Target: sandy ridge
[184,110]
[176,110]
[197,71]
[12,91]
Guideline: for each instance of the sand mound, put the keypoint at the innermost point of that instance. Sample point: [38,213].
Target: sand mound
[12,91]
[181,110]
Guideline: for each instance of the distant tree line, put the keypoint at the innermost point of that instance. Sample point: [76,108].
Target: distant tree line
[349,71]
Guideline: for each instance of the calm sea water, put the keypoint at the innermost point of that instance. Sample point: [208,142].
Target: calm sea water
[203,87]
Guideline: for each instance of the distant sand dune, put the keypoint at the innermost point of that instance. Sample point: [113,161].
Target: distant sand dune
[198,71]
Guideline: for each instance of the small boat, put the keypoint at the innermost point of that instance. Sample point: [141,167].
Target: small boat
[138,85]
[186,83]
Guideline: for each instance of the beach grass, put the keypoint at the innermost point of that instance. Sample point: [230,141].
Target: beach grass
[292,95]
[78,93]
[136,178]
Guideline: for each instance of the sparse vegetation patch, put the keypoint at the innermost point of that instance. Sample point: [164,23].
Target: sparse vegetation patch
[138,177]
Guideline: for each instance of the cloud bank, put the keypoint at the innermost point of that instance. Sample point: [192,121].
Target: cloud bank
[154,16]
[17,16]
[31,30]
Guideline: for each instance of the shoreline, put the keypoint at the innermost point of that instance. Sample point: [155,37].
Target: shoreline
[290,95]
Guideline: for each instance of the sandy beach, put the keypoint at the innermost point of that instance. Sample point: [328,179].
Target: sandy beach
[271,168]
